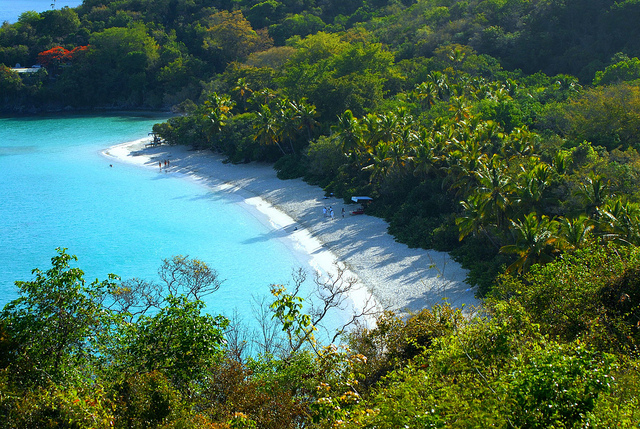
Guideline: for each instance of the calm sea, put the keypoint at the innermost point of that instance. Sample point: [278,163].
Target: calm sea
[10,10]
[58,190]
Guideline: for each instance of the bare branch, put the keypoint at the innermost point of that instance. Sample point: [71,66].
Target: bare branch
[237,337]
[136,296]
[370,310]
[190,277]
[331,292]
[299,276]
[268,337]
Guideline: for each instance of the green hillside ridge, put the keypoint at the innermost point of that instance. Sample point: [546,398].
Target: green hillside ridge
[504,132]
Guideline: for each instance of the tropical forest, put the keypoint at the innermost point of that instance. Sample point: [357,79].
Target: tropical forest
[503,132]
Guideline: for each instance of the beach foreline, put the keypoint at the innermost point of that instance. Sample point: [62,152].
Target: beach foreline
[400,278]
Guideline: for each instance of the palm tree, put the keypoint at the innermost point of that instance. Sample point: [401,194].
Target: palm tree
[461,86]
[536,241]
[217,108]
[495,187]
[370,129]
[473,216]
[620,221]
[439,79]
[561,161]
[264,96]
[306,115]
[267,132]
[575,232]
[244,90]
[481,89]
[464,163]
[349,133]
[460,108]
[394,135]
[500,94]
[511,86]
[460,171]
[397,155]
[456,56]
[388,126]
[286,121]
[594,192]
[490,134]
[379,162]
[424,158]
[532,183]
[521,142]
[427,94]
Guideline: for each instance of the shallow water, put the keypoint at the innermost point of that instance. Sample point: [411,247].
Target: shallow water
[59,190]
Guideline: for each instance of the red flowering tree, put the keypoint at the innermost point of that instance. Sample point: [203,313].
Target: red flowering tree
[57,56]
[76,53]
[53,57]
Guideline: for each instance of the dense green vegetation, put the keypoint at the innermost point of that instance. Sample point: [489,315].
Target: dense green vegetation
[501,169]
[505,132]
[555,348]
[172,49]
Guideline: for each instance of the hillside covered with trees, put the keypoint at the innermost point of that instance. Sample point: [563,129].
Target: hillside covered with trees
[556,348]
[505,132]
[162,52]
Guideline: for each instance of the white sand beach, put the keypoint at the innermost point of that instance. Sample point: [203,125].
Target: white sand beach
[400,278]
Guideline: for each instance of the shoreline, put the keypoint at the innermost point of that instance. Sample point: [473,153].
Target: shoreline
[399,278]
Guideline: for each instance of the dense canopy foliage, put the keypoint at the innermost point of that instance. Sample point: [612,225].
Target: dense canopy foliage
[556,348]
[174,48]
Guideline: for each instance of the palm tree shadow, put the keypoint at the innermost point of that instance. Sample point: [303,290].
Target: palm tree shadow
[270,235]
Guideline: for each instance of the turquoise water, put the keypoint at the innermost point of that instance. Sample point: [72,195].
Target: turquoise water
[58,190]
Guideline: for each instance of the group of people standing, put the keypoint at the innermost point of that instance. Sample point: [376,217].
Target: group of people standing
[165,162]
[329,212]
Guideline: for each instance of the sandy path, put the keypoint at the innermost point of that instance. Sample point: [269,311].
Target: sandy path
[399,277]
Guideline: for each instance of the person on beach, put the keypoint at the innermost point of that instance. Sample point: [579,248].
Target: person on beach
[160,164]
[343,212]
[324,211]
[331,214]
